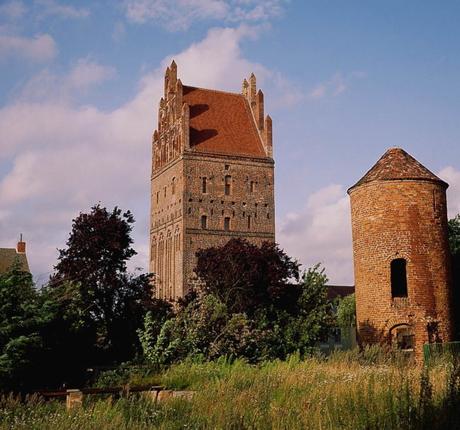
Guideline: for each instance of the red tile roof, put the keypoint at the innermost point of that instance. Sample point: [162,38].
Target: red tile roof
[222,123]
[398,164]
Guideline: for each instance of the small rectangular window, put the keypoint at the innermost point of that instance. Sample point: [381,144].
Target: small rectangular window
[252,187]
[249,222]
[227,167]
[173,186]
[158,196]
[204,186]
[204,222]
[228,185]
[226,223]
[398,278]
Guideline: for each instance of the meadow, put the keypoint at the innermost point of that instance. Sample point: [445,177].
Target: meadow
[347,390]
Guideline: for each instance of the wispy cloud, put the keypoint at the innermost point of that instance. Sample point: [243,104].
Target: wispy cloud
[119,32]
[338,84]
[46,86]
[39,48]
[55,8]
[176,15]
[321,233]
[12,10]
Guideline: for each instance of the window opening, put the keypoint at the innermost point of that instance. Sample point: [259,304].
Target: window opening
[398,278]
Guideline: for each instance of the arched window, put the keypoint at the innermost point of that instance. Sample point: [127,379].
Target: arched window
[173,186]
[402,337]
[204,222]
[228,185]
[398,278]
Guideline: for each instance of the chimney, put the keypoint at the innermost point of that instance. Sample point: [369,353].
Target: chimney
[21,246]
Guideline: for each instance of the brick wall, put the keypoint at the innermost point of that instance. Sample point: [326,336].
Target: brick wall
[401,219]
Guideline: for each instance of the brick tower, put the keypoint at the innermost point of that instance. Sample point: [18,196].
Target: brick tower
[401,254]
[212,177]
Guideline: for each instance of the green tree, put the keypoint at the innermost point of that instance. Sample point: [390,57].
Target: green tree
[20,325]
[454,244]
[454,235]
[346,312]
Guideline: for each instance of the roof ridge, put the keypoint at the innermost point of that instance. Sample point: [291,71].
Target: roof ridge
[213,90]
[254,125]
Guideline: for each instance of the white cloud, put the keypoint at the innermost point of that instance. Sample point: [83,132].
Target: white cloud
[452,177]
[330,88]
[54,8]
[12,10]
[321,233]
[178,15]
[39,48]
[83,75]
[66,157]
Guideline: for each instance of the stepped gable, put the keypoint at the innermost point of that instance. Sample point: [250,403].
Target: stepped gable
[222,123]
[397,164]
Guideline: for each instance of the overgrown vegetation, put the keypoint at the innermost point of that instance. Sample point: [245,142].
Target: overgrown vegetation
[349,390]
[248,308]
[87,315]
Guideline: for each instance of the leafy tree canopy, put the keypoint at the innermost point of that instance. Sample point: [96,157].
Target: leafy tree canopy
[346,311]
[244,276]
[454,235]
[20,324]
[92,283]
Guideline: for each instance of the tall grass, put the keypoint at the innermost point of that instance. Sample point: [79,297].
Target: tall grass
[369,390]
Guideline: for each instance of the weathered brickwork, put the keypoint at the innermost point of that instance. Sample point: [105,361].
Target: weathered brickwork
[399,215]
[212,177]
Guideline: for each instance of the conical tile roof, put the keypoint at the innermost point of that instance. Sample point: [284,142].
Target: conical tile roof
[397,164]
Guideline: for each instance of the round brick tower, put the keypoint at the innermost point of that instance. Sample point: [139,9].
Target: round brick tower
[401,254]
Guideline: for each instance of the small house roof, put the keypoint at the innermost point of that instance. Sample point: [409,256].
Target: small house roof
[8,257]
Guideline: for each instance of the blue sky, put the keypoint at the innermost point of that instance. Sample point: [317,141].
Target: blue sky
[343,81]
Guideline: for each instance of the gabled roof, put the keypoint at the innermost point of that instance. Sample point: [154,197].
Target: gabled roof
[8,257]
[222,123]
[397,164]
[341,291]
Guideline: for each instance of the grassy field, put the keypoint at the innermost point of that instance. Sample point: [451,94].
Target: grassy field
[346,391]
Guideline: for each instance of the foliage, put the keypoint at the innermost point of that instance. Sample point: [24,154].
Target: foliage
[245,277]
[346,312]
[454,235]
[454,244]
[337,393]
[100,301]
[223,318]
[20,325]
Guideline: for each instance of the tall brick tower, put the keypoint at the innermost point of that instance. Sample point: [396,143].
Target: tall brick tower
[212,177]
[401,254]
